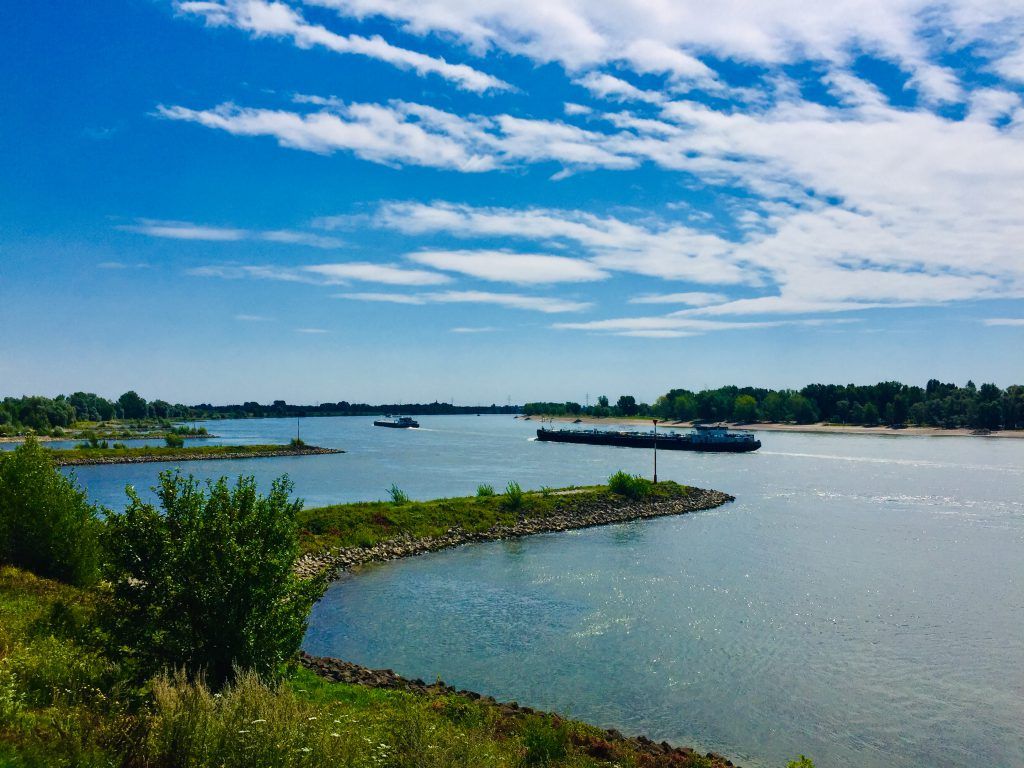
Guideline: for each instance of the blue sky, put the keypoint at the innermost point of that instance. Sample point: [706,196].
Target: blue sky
[441,199]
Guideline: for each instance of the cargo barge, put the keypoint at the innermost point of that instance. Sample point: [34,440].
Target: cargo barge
[402,422]
[704,437]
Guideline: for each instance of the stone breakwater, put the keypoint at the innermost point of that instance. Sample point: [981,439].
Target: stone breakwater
[186,456]
[603,511]
[608,746]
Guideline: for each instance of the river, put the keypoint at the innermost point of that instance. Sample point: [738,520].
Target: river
[862,601]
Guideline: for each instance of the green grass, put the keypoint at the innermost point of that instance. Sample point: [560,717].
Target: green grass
[84,455]
[367,523]
[64,702]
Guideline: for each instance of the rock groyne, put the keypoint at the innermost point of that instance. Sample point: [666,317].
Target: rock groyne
[602,511]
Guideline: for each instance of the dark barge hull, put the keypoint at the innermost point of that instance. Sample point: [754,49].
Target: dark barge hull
[639,440]
[393,425]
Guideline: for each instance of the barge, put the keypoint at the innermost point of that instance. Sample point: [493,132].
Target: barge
[704,437]
[402,422]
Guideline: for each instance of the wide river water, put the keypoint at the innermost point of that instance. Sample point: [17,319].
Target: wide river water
[862,601]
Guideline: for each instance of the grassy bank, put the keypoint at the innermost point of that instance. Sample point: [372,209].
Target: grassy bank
[131,455]
[63,701]
[367,523]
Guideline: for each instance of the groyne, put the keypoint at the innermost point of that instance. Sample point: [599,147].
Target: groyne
[201,454]
[602,511]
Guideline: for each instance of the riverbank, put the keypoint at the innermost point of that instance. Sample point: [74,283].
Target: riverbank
[608,744]
[67,701]
[823,428]
[77,457]
[336,539]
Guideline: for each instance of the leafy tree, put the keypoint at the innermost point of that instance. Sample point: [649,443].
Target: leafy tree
[626,406]
[47,524]
[207,582]
[132,405]
[745,408]
[603,401]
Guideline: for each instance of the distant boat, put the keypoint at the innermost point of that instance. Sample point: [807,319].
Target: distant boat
[705,437]
[402,422]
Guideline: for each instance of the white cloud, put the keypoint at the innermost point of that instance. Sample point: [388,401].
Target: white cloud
[671,37]
[467,329]
[184,230]
[550,305]
[312,330]
[503,266]
[690,298]
[572,108]
[325,274]
[998,321]
[253,318]
[392,298]
[275,19]
[387,274]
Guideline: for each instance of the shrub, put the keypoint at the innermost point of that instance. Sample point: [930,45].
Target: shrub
[513,495]
[296,442]
[485,489]
[174,441]
[630,486]
[47,525]
[545,742]
[207,584]
[800,762]
[398,496]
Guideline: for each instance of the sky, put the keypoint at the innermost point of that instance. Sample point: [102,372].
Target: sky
[480,201]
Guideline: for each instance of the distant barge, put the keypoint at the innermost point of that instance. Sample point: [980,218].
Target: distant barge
[402,422]
[704,437]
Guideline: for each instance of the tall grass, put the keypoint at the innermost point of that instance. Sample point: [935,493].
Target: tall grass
[398,496]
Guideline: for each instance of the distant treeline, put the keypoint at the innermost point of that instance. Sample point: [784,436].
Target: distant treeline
[43,415]
[888,402]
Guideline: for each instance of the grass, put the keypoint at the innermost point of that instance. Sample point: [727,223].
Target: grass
[85,455]
[64,702]
[364,524]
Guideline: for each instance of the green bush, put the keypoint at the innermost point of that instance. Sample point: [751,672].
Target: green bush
[546,742]
[296,442]
[398,496]
[800,762]
[174,441]
[485,490]
[207,583]
[47,525]
[631,486]
[513,495]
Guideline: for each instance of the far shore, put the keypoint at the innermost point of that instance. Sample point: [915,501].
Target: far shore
[822,428]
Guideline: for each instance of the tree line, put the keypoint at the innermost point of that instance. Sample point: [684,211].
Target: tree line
[44,415]
[890,403]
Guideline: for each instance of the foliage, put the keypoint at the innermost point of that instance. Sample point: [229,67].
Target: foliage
[631,486]
[174,441]
[296,442]
[46,522]
[206,583]
[546,742]
[83,454]
[513,495]
[398,496]
[484,490]
[800,762]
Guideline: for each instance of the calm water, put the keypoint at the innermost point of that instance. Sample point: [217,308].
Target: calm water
[862,601]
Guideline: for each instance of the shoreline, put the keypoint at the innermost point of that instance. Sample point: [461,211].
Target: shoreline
[179,456]
[334,562]
[657,754]
[819,428]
